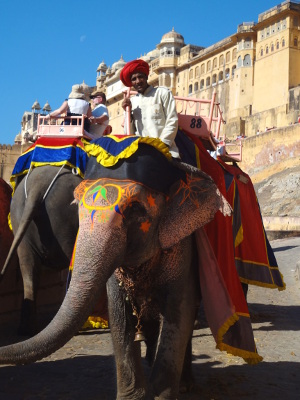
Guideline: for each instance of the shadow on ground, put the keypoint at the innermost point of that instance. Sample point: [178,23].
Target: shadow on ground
[93,377]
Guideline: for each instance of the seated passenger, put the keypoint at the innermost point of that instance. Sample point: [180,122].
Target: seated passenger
[100,117]
[76,105]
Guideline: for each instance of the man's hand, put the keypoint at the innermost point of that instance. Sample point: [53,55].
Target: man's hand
[126,103]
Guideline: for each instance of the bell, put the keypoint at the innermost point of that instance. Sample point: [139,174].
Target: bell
[139,336]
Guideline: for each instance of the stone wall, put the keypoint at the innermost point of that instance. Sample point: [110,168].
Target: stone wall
[271,152]
[272,159]
[8,157]
[51,292]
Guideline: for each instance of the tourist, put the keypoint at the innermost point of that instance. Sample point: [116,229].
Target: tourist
[100,117]
[76,105]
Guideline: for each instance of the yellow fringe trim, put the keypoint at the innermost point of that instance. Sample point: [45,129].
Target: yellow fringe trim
[40,164]
[9,222]
[197,157]
[56,164]
[249,356]
[266,285]
[95,323]
[239,237]
[107,160]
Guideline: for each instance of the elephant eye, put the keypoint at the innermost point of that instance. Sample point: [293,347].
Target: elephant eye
[136,209]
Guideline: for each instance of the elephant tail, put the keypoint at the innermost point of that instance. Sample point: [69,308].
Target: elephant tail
[27,216]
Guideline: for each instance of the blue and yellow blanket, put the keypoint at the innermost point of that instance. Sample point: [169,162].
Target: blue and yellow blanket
[51,151]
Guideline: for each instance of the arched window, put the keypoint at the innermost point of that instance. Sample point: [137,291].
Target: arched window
[228,56]
[233,70]
[197,72]
[272,47]
[295,41]
[227,73]
[208,66]
[201,84]
[196,87]
[277,45]
[191,74]
[207,81]
[247,60]
[239,62]
[261,52]
[234,54]
[214,79]
[202,69]
[221,60]
[215,62]
[190,89]
[221,76]
[267,50]
[283,43]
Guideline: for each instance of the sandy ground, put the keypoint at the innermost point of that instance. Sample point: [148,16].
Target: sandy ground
[84,367]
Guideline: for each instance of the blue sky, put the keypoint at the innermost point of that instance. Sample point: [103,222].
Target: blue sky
[48,46]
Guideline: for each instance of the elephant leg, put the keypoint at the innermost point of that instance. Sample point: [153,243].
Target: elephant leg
[187,381]
[30,275]
[176,326]
[130,377]
[151,330]
[174,359]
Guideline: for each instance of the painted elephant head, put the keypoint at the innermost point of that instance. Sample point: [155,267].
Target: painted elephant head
[154,204]
[151,219]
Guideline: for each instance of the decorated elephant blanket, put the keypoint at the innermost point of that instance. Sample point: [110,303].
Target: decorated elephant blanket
[241,241]
[51,151]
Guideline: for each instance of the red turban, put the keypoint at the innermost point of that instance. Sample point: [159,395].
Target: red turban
[132,67]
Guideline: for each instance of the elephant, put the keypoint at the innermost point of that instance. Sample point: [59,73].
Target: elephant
[136,240]
[45,224]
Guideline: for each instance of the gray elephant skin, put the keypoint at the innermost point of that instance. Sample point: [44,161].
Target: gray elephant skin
[45,225]
[136,224]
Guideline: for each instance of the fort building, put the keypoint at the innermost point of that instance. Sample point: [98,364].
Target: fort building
[255,72]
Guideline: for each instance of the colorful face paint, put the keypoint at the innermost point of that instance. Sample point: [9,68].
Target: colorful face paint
[99,199]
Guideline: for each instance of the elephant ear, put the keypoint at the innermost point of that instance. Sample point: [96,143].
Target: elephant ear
[191,205]
[82,188]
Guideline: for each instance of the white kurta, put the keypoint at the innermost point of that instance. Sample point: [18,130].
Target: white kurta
[154,115]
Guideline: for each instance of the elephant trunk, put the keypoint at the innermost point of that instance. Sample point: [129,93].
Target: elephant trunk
[90,274]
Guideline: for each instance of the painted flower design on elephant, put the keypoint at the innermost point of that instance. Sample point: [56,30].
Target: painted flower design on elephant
[99,198]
